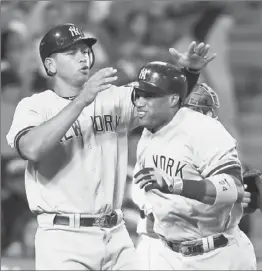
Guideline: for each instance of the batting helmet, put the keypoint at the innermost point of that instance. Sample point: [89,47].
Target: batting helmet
[203,98]
[61,37]
[159,79]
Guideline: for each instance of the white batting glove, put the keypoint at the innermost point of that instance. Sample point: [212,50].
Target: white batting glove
[154,178]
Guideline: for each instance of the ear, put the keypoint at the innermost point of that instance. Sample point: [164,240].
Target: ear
[50,65]
[174,100]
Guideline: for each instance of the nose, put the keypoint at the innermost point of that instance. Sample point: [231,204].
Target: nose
[83,58]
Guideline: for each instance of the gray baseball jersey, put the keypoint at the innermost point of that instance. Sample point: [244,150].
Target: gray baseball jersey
[192,146]
[86,171]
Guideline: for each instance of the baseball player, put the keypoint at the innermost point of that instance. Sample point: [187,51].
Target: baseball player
[191,178]
[202,99]
[74,138]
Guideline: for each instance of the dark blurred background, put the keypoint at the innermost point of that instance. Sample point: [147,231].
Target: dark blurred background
[130,33]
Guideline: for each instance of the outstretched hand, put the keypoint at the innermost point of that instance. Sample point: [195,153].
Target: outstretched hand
[195,58]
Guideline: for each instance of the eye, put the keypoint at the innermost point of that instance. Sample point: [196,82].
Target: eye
[70,52]
[86,52]
[144,94]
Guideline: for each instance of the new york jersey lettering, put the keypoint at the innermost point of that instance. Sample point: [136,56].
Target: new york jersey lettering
[169,165]
[105,123]
[74,131]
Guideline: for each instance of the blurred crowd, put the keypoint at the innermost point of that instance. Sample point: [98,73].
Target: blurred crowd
[130,33]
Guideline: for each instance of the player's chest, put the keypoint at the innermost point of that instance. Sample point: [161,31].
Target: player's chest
[175,156]
[95,120]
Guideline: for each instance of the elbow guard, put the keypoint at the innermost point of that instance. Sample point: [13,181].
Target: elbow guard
[227,192]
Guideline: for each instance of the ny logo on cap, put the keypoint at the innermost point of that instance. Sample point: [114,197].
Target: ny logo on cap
[143,73]
[74,31]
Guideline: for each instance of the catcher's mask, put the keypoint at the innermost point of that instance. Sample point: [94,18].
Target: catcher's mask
[203,98]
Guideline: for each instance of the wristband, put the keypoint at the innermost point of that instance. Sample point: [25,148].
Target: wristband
[191,70]
[226,189]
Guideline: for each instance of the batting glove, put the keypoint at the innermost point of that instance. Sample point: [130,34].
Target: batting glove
[154,178]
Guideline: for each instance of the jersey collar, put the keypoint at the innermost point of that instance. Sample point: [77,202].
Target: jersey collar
[67,98]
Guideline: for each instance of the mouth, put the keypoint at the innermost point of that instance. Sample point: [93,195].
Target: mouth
[141,114]
[84,69]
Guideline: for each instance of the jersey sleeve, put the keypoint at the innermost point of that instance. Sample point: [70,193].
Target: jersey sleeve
[216,152]
[27,115]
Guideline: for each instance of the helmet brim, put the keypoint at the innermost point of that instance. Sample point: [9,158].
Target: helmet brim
[88,41]
[150,88]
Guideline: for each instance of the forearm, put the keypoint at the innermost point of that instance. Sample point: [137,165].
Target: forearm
[192,78]
[227,190]
[38,141]
[203,191]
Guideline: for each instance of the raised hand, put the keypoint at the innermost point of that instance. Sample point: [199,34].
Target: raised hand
[195,58]
[100,81]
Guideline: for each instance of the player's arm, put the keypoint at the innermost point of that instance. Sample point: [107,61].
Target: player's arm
[193,61]
[223,188]
[34,142]
[192,77]
[218,163]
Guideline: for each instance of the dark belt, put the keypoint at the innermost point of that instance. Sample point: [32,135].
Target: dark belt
[190,249]
[102,221]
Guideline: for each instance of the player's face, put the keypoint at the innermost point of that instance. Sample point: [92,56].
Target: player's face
[73,64]
[153,112]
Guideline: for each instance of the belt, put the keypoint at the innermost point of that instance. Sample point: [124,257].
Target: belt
[196,247]
[102,221]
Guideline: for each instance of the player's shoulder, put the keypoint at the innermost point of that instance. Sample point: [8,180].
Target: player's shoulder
[204,126]
[36,99]
[194,118]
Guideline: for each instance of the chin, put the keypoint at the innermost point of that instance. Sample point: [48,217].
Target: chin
[145,123]
[82,79]
[84,76]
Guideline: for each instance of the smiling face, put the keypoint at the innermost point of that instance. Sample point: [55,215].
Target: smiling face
[72,64]
[154,111]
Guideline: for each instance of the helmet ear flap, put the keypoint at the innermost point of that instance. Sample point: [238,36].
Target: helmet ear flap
[92,58]
[133,96]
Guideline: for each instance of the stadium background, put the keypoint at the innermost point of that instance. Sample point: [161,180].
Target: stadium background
[130,33]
